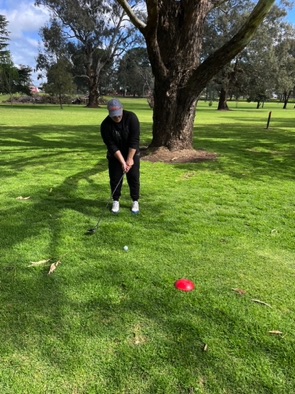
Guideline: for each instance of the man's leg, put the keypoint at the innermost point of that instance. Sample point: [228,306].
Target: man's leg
[115,174]
[133,178]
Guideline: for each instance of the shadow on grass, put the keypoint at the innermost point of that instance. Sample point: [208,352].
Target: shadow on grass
[248,150]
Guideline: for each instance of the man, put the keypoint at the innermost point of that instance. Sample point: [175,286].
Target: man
[120,132]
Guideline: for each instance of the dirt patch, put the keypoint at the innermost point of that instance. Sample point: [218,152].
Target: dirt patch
[183,156]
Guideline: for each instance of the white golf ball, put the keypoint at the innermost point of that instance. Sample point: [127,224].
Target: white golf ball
[126,248]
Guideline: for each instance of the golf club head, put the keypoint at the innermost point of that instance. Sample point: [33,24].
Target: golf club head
[91,231]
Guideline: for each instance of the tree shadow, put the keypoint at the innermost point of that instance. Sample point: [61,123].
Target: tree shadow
[248,150]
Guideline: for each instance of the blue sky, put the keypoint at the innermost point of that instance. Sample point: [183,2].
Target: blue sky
[25,21]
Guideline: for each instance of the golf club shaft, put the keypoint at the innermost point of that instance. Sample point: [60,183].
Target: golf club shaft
[118,184]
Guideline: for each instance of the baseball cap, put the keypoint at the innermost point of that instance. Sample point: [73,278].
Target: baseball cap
[115,108]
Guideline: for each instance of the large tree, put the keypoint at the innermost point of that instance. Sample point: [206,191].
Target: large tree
[99,28]
[174,34]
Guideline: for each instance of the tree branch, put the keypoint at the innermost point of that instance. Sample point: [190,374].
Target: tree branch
[134,19]
[228,51]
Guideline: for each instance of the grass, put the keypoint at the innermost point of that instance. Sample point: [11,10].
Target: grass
[110,321]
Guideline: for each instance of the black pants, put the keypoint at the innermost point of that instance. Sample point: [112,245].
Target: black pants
[116,172]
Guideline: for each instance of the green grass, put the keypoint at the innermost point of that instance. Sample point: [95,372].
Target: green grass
[107,321]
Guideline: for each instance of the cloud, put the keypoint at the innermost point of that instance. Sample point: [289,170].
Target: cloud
[25,18]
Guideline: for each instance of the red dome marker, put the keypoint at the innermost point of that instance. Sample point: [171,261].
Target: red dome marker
[185,285]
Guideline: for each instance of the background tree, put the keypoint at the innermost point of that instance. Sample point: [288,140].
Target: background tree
[100,31]
[285,67]
[60,80]
[134,72]
[222,23]
[5,58]
[12,79]
[55,61]
[174,34]
[4,37]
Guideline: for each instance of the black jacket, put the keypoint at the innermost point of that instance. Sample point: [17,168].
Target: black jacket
[121,136]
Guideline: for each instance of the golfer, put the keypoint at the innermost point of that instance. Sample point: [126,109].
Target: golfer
[120,132]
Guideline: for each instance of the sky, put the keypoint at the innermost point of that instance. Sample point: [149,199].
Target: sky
[25,21]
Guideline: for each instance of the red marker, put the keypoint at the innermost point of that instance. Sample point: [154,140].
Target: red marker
[185,285]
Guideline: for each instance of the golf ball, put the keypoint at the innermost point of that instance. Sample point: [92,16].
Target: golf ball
[126,248]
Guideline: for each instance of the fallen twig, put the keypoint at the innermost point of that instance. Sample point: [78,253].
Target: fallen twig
[23,198]
[38,263]
[275,332]
[261,302]
[240,291]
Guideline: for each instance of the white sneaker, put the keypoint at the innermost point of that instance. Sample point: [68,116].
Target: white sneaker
[116,207]
[135,207]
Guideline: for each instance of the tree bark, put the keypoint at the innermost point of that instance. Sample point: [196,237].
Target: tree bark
[173,119]
[92,78]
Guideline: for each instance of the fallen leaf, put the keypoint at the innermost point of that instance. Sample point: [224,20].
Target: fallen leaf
[53,267]
[139,338]
[23,198]
[275,332]
[261,302]
[205,348]
[37,263]
[240,291]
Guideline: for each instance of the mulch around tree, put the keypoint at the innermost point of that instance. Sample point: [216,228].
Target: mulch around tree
[164,155]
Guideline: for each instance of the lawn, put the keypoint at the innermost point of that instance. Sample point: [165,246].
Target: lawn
[111,321]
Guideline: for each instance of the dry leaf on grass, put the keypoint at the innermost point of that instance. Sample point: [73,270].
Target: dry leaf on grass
[261,302]
[139,338]
[38,263]
[275,332]
[239,291]
[205,348]
[23,198]
[53,267]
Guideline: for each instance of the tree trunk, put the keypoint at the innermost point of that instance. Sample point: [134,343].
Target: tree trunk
[92,77]
[286,96]
[222,104]
[93,92]
[173,119]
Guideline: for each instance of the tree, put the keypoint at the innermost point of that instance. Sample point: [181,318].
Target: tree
[55,61]
[285,80]
[95,25]
[12,79]
[4,38]
[134,72]
[174,31]
[5,58]
[222,23]
[59,80]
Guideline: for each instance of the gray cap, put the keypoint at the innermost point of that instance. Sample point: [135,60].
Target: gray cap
[115,108]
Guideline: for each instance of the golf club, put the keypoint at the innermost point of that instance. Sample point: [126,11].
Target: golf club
[93,230]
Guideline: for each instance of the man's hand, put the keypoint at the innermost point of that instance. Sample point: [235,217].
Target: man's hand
[125,167]
[129,164]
